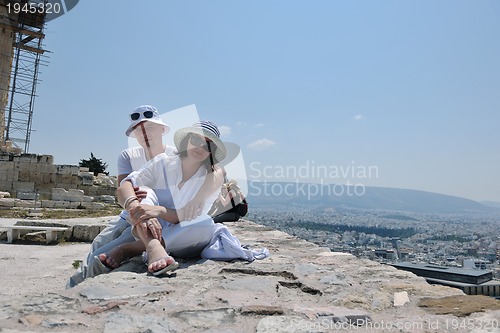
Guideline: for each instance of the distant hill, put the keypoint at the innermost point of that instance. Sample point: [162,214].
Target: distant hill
[490,203]
[277,194]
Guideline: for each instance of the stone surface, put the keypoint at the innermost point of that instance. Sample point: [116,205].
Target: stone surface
[460,305]
[300,288]
[84,233]
[106,198]
[401,298]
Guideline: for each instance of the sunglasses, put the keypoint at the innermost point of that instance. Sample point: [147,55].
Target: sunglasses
[199,141]
[146,114]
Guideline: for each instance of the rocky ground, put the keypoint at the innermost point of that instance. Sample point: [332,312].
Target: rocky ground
[300,288]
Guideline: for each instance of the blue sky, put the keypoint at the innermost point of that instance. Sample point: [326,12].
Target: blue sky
[410,87]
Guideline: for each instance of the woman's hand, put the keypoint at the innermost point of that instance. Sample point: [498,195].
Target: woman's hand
[142,213]
[192,209]
[154,226]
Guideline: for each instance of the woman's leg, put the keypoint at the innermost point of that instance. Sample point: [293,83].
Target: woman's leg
[188,241]
[158,258]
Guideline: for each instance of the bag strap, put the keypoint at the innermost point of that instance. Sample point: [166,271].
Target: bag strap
[232,200]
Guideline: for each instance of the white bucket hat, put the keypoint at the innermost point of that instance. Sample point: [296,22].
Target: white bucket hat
[145,113]
[207,129]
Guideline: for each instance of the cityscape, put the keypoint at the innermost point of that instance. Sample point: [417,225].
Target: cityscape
[461,240]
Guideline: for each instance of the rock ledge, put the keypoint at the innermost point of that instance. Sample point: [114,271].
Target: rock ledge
[301,288]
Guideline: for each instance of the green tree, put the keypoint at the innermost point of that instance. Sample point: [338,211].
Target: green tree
[95,165]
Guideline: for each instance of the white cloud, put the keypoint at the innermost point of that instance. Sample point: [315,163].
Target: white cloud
[359,117]
[261,144]
[242,123]
[224,130]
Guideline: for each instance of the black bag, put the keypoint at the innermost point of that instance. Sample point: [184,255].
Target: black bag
[243,207]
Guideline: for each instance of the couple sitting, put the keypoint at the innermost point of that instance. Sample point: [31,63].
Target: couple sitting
[179,185]
[175,180]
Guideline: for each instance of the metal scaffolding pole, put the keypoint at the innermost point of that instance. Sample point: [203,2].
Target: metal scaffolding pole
[28,55]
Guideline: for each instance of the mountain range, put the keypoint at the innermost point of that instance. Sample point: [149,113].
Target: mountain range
[490,203]
[282,194]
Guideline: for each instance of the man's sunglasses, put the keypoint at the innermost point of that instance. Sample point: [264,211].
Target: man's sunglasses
[137,115]
[199,141]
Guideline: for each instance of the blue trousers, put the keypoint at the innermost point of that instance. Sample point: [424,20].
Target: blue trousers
[116,233]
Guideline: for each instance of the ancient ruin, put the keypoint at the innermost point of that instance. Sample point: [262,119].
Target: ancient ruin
[46,185]
[29,176]
[21,54]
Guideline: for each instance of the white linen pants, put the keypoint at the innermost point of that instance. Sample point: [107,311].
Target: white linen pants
[188,241]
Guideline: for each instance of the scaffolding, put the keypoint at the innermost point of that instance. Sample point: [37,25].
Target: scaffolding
[22,47]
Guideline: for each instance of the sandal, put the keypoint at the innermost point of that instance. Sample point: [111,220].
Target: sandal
[165,269]
[108,261]
[169,267]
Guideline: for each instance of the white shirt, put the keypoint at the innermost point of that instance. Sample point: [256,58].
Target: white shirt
[163,175]
[133,159]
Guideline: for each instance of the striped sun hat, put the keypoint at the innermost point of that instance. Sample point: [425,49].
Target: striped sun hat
[207,129]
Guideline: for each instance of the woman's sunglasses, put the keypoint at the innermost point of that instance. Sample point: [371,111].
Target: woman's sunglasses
[199,141]
[146,114]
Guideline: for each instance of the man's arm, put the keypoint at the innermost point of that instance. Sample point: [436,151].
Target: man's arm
[141,213]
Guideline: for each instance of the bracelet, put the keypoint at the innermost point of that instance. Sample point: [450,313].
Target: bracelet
[129,200]
[128,204]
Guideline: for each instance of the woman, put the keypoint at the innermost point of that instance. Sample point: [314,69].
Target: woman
[175,180]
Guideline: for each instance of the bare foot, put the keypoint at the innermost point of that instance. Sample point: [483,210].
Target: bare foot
[120,254]
[108,261]
[159,261]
